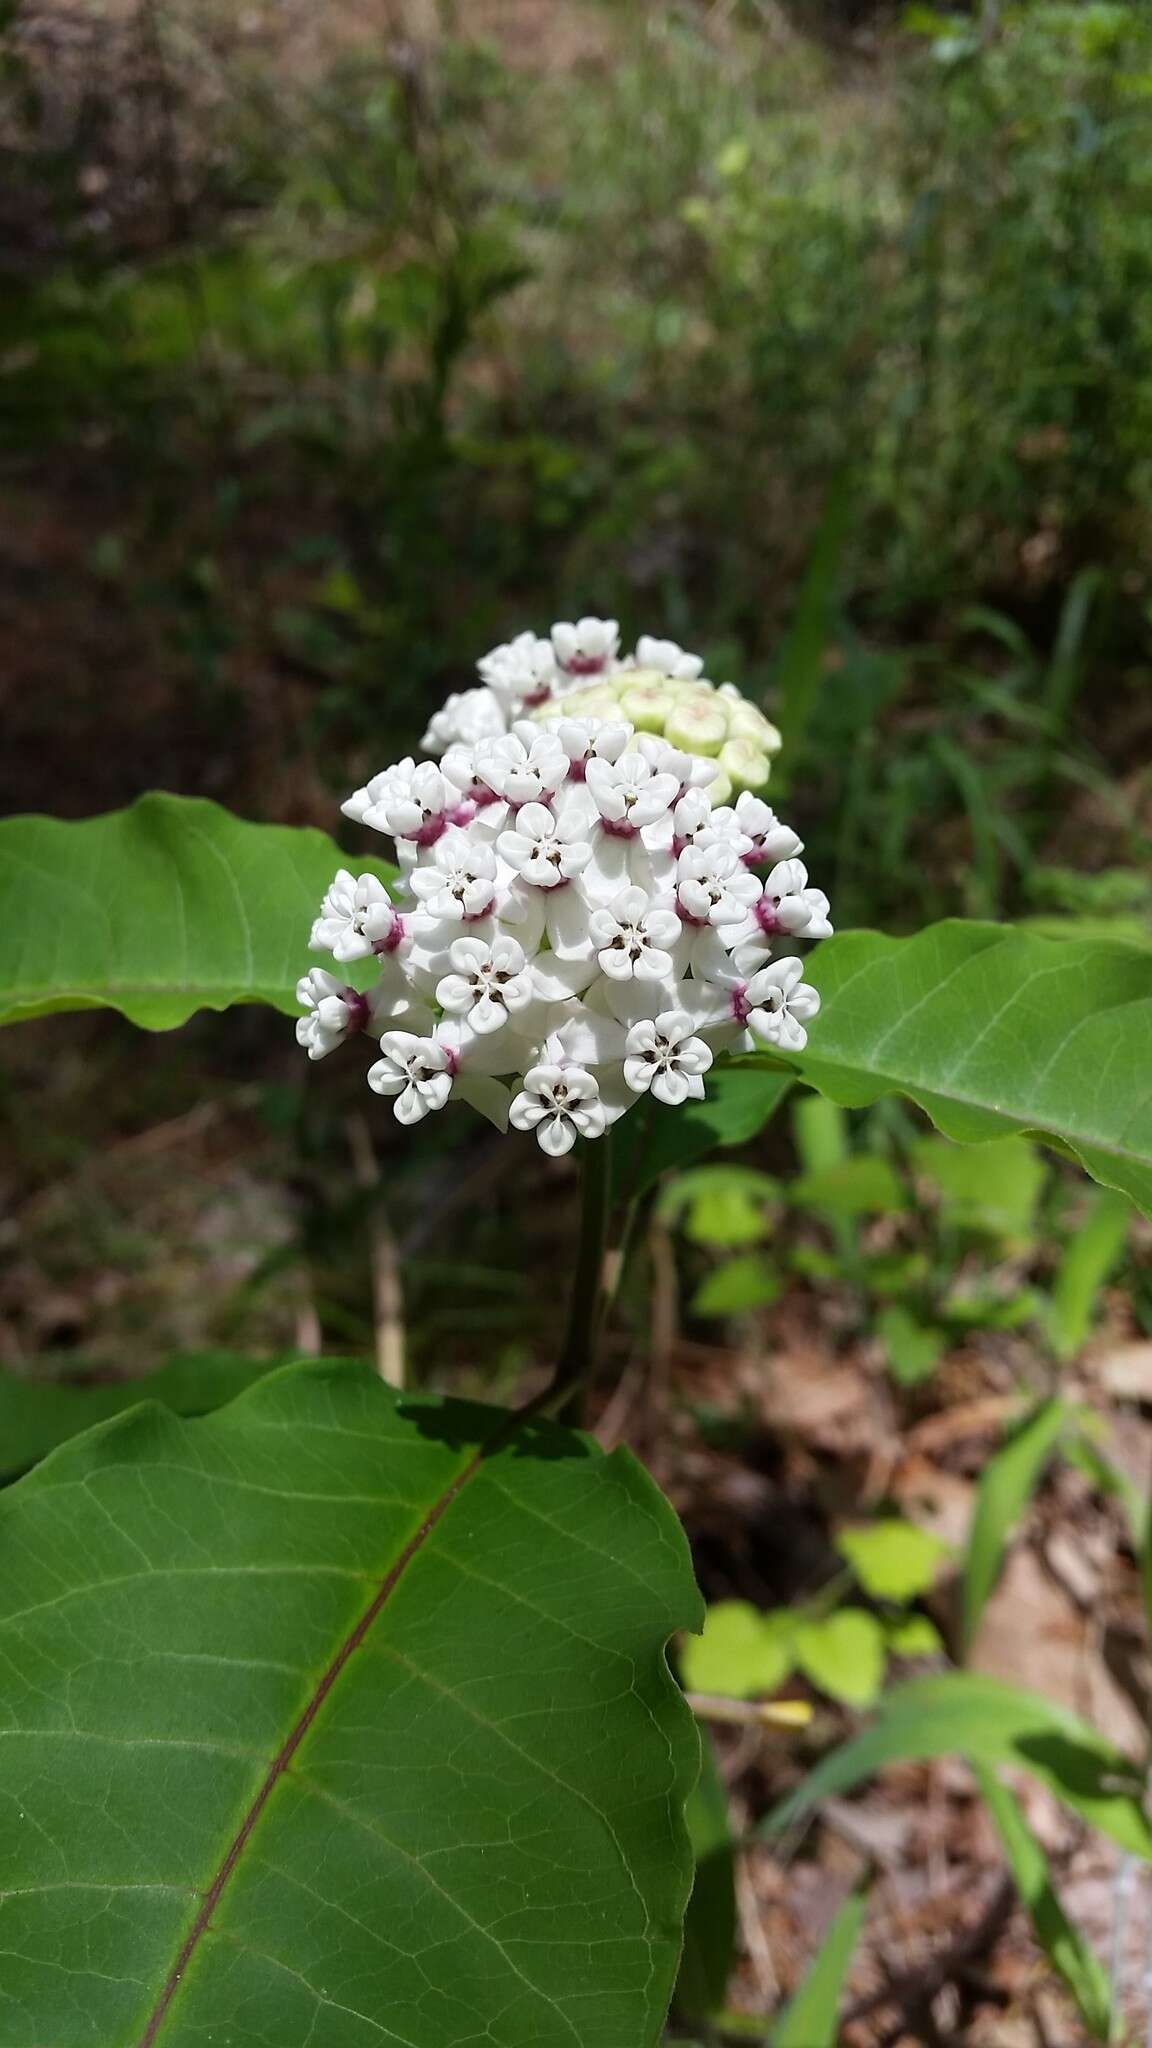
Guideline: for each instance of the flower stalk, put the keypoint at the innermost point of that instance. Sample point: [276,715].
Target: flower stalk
[593,1284]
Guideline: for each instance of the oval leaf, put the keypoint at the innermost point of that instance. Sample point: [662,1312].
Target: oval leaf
[844,1655]
[166,908]
[333,1717]
[993,1030]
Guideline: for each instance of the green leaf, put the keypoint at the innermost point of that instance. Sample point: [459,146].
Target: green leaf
[812,2018]
[1007,1484]
[914,1348]
[820,1129]
[710,1922]
[737,1287]
[802,662]
[655,1138]
[864,1186]
[1114,1484]
[893,1560]
[913,1635]
[844,1655]
[1070,1955]
[1092,1251]
[36,1415]
[722,1205]
[166,908]
[991,1031]
[336,1716]
[740,1653]
[960,1713]
[993,1189]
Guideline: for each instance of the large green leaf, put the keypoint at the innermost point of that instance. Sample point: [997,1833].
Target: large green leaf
[169,907]
[992,1030]
[36,1415]
[339,1718]
[963,1714]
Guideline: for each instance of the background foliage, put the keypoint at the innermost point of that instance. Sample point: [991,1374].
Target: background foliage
[334,348]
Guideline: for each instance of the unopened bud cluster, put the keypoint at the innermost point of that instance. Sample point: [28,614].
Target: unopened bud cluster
[582,918]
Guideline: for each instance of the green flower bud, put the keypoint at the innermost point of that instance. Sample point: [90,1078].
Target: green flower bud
[647,706]
[744,762]
[699,727]
[747,722]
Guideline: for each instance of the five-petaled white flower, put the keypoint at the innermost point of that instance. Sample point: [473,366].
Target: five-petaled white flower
[778,1004]
[586,648]
[545,850]
[490,982]
[419,1072]
[632,937]
[561,1104]
[662,1055]
[712,884]
[460,879]
[334,1012]
[357,918]
[522,671]
[667,658]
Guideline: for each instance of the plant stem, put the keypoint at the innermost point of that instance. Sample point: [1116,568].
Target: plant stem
[592,1283]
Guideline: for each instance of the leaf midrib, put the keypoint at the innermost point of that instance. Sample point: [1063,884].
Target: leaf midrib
[305,1720]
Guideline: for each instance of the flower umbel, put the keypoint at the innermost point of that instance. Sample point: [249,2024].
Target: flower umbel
[589,897]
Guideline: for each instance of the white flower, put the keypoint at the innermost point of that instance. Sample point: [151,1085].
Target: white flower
[459,879]
[631,936]
[419,1072]
[712,884]
[465,717]
[629,793]
[490,982]
[334,1012]
[692,771]
[357,919]
[527,766]
[543,849]
[586,648]
[753,822]
[560,1103]
[414,804]
[588,739]
[663,1056]
[785,907]
[522,671]
[778,1004]
[667,658]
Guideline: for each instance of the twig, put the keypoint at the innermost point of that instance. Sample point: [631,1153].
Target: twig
[387,1283]
[756,1944]
[749,1713]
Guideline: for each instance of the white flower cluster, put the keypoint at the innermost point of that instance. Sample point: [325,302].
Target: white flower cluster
[577,924]
[580,670]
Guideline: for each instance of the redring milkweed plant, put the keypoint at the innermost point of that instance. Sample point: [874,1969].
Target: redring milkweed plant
[339,1716]
[589,904]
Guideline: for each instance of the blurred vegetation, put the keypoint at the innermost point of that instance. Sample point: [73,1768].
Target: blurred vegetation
[827,353]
